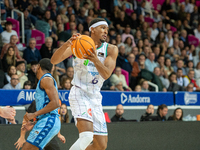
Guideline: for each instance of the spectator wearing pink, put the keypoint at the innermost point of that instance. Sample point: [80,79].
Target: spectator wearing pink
[117,76]
[13,41]
[126,34]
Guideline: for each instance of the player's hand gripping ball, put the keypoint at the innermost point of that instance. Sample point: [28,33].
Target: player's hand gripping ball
[81,45]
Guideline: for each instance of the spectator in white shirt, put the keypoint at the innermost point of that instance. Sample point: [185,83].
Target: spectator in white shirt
[169,38]
[154,31]
[179,75]
[5,35]
[13,83]
[197,32]
[189,8]
[149,63]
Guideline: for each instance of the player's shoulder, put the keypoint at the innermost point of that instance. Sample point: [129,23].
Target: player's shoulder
[112,49]
[46,81]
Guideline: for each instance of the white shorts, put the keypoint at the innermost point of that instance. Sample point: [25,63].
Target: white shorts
[88,106]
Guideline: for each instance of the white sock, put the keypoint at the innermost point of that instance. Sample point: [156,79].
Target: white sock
[85,138]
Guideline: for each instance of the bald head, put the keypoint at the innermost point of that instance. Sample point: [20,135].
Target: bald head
[119,110]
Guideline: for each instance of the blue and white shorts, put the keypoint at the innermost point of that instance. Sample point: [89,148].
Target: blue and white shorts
[88,106]
[44,130]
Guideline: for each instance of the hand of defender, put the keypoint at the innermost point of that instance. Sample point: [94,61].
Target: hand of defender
[93,55]
[8,112]
[20,142]
[69,42]
[29,116]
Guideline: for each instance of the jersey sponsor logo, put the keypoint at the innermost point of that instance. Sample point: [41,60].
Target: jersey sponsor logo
[100,54]
[91,64]
[89,111]
[129,99]
[93,73]
[190,98]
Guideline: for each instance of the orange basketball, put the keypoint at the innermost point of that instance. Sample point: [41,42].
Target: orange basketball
[81,45]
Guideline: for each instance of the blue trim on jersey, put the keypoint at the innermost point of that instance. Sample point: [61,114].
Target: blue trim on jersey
[45,131]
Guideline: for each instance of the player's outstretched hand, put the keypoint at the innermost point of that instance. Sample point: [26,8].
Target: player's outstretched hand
[20,142]
[61,137]
[29,116]
[69,42]
[8,112]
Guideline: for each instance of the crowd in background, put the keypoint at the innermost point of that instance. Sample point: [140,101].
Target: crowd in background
[148,52]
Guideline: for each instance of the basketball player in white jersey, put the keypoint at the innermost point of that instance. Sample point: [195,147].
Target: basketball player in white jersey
[85,97]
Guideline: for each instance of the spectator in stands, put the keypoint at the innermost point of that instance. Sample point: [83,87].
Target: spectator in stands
[190,79]
[66,84]
[190,87]
[173,86]
[141,9]
[169,39]
[69,73]
[177,115]
[54,11]
[27,85]
[149,112]
[121,22]
[135,51]
[76,7]
[145,86]
[171,56]
[64,113]
[160,38]
[27,25]
[5,35]
[46,50]
[80,28]
[117,76]
[47,15]
[119,86]
[196,59]
[197,32]
[162,112]
[141,61]
[13,83]
[164,81]
[176,6]
[118,114]
[138,38]
[177,50]
[179,78]
[9,59]
[138,88]
[31,53]
[168,68]
[13,41]
[21,72]
[183,37]
[3,79]
[86,24]
[134,22]
[107,85]
[121,56]
[72,26]
[32,73]
[55,76]
[96,8]
[197,71]
[11,70]
[190,66]
[82,17]
[127,33]
[119,40]
[180,64]
[154,31]
[149,63]
[128,45]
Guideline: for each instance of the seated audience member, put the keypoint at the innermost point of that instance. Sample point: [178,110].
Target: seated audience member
[5,35]
[197,71]
[69,73]
[27,85]
[190,87]
[190,79]
[13,42]
[138,88]
[168,68]
[180,64]
[119,86]
[11,70]
[21,72]
[9,59]
[3,79]
[13,83]
[145,86]
[32,73]
[66,84]
[64,113]
[55,76]
[190,66]
[162,112]
[46,50]
[31,53]
[177,116]
[107,85]
[118,114]
[149,111]
[141,61]
[121,56]
[149,63]
[164,82]
[117,76]
[179,78]
[173,86]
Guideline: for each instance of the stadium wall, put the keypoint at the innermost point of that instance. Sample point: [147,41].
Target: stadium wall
[126,136]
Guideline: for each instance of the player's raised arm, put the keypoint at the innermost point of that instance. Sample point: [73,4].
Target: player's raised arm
[64,51]
[106,69]
[47,84]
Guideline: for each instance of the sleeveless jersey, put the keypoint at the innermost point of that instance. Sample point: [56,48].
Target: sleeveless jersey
[42,99]
[86,76]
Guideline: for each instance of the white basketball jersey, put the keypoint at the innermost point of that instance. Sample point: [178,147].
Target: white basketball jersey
[86,76]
